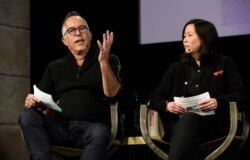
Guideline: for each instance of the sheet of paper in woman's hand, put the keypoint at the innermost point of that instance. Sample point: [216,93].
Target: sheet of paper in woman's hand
[192,103]
[46,99]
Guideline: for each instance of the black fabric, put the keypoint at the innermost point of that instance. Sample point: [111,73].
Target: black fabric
[183,79]
[79,91]
[220,78]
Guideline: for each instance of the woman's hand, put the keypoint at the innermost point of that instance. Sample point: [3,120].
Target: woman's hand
[208,105]
[176,108]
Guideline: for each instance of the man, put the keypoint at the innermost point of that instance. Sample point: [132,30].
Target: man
[82,83]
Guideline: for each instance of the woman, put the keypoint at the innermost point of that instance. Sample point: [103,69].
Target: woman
[201,69]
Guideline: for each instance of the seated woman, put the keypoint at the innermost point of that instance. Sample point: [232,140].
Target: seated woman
[201,69]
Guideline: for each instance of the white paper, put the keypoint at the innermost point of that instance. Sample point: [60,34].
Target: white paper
[46,99]
[192,103]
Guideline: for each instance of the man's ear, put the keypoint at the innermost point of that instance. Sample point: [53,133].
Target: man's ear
[64,41]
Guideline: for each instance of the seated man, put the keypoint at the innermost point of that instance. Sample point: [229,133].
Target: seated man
[82,82]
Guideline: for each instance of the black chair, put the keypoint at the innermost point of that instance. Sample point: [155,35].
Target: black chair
[238,133]
[117,121]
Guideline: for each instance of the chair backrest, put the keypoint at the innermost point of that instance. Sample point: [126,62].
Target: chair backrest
[218,146]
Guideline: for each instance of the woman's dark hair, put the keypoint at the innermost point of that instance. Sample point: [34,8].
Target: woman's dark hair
[208,35]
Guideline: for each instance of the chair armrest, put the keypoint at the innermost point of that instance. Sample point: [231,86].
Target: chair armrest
[245,126]
[117,123]
[145,133]
[114,123]
[231,133]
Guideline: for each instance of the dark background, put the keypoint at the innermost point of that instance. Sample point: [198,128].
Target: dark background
[142,65]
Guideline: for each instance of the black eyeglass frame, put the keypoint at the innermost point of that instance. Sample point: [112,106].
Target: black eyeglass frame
[72,30]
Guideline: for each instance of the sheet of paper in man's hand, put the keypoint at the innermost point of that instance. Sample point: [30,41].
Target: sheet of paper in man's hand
[46,99]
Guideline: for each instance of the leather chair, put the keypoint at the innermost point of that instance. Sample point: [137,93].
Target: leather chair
[237,135]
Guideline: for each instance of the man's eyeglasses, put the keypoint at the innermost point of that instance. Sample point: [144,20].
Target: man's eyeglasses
[72,30]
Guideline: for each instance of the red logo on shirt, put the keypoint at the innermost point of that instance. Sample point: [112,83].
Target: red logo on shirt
[217,73]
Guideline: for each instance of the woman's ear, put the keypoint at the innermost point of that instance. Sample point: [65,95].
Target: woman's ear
[90,35]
